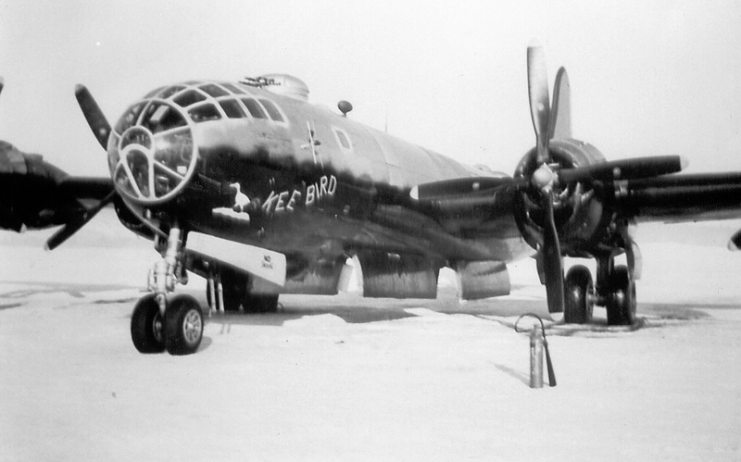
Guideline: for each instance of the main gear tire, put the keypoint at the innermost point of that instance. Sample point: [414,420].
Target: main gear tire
[578,296]
[147,326]
[621,304]
[183,325]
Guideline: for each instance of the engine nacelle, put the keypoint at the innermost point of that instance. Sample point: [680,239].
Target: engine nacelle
[582,218]
[387,275]
[32,192]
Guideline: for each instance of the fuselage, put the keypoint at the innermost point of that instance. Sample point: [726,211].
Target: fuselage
[246,164]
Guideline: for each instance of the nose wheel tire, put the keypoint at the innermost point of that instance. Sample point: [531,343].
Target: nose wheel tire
[621,305]
[183,325]
[578,296]
[147,330]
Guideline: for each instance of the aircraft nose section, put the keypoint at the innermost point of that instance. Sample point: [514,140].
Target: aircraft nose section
[151,153]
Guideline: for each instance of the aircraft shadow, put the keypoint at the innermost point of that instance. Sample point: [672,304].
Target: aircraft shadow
[504,311]
[354,309]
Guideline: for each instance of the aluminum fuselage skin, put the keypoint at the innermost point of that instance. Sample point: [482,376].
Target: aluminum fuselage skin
[311,182]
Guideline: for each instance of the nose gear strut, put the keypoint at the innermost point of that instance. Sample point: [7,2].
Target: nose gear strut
[168,271]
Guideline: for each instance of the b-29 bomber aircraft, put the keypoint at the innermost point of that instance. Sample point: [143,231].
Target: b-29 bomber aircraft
[262,193]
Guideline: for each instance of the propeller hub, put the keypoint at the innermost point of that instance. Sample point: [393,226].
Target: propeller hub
[543,178]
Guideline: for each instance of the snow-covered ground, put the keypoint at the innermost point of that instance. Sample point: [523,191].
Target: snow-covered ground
[347,378]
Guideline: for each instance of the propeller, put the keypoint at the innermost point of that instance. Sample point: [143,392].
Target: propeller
[559,125]
[554,121]
[543,178]
[624,169]
[78,222]
[462,186]
[2,84]
[101,129]
[540,109]
[94,116]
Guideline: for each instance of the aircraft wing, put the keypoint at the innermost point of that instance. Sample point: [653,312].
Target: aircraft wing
[672,198]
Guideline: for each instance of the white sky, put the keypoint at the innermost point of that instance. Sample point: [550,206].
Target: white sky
[647,77]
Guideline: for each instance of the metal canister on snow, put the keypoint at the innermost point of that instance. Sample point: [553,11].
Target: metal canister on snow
[536,357]
[538,344]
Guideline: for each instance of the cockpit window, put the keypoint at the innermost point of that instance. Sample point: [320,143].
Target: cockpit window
[232,109]
[233,89]
[189,97]
[174,150]
[204,113]
[254,107]
[153,92]
[170,91]
[272,110]
[343,139]
[213,90]
[130,118]
[159,117]
[137,136]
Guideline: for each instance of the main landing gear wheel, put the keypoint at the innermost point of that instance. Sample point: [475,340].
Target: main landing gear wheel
[183,325]
[578,296]
[147,331]
[621,304]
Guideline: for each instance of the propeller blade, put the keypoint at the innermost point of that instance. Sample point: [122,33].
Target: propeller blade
[94,116]
[552,262]
[2,84]
[560,121]
[73,226]
[461,186]
[461,207]
[625,169]
[537,86]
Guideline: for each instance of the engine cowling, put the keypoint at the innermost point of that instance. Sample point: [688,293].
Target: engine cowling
[581,215]
[31,192]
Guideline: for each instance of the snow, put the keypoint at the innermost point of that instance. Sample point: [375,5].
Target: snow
[347,378]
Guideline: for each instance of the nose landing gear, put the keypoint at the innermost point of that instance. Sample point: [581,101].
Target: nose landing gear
[159,324]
